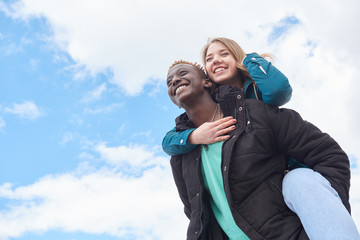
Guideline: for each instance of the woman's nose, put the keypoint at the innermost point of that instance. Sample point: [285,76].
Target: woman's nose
[216,59]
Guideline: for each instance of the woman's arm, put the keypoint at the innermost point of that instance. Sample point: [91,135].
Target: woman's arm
[273,85]
[175,143]
[180,142]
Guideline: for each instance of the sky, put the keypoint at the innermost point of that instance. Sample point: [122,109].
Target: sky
[84,105]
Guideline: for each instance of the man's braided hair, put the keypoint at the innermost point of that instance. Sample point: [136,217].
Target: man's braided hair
[186,62]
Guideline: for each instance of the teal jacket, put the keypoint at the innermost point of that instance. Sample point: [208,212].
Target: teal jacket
[272,87]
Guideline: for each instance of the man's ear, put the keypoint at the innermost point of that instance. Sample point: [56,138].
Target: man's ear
[210,86]
[208,83]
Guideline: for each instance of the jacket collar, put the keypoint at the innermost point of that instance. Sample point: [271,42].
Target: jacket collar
[224,95]
[183,122]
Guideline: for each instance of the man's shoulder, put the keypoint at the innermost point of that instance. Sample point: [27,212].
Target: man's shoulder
[223,90]
[182,122]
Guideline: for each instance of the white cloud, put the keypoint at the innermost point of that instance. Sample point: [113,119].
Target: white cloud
[104,109]
[86,156]
[2,124]
[323,88]
[136,157]
[25,110]
[8,49]
[76,120]
[95,94]
[355,197]
[67,137]
[4,8]
[133,44]
[33,65]
[100,201]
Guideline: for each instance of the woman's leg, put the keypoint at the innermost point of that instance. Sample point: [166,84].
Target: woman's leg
[319,207]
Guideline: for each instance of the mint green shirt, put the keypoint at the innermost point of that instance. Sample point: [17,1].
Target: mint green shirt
[211,170]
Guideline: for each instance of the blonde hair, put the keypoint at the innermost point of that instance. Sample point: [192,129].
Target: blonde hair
[236,51]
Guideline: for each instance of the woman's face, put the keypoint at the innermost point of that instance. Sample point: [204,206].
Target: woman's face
[220,65]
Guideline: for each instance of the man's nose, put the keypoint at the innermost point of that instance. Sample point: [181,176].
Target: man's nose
[176,80]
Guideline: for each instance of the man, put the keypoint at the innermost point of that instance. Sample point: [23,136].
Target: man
[232,189]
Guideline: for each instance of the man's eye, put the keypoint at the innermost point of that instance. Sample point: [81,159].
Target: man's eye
[182,73]
[168,82]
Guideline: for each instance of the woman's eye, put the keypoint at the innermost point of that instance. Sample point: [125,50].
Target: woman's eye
[225,54]
[208,59]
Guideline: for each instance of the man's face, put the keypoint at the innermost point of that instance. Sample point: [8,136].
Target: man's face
[184,81]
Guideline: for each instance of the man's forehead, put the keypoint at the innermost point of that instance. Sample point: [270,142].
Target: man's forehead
[180,66]
[183,65]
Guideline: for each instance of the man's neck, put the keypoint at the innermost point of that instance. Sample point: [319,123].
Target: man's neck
[202,112]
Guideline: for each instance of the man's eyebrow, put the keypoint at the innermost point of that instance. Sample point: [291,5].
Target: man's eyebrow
[184,68]
[175,71]
[187,68]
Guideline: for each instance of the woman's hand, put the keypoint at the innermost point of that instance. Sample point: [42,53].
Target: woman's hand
[211,132]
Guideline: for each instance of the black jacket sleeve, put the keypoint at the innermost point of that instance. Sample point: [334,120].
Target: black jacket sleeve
[176,166]
[302,140]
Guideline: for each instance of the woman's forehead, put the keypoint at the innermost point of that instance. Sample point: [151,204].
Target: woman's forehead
[216,47]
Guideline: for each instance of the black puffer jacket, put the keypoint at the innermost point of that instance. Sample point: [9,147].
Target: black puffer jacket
[253,164]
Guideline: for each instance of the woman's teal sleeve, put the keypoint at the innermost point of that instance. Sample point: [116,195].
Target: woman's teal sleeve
[273,85]
[175,143]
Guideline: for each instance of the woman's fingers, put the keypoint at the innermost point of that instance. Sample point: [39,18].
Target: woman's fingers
[224,125]
[221,138]
[225,130]
[211,132]
[222,120]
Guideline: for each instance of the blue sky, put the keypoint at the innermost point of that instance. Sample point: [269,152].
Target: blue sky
[84,107]
[65,109]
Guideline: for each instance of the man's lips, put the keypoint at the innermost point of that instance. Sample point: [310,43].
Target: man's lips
[177,89]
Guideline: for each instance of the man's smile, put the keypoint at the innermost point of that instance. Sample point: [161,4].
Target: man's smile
[177,89]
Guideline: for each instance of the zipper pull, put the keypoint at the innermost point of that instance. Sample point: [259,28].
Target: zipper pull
[261,68]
